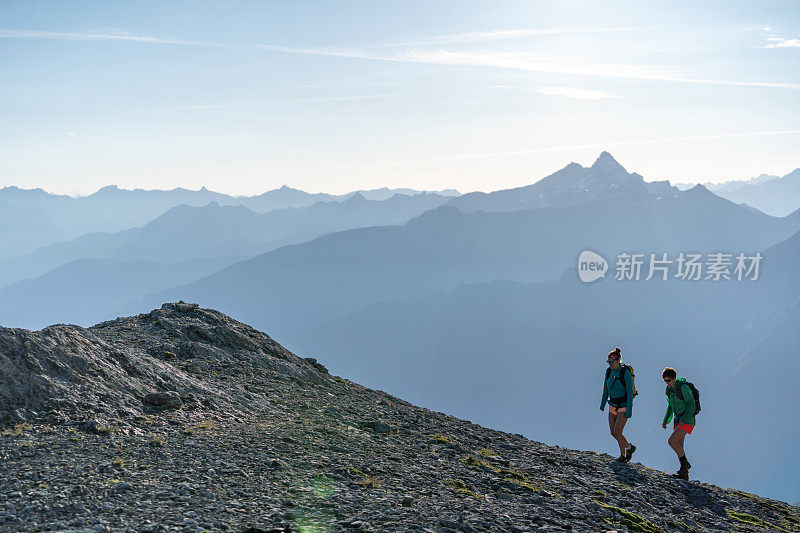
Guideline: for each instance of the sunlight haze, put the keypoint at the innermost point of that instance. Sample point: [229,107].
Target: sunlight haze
[243,97]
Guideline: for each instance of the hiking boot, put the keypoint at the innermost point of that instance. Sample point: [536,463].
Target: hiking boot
[629,453]
[622,459]
[681,474]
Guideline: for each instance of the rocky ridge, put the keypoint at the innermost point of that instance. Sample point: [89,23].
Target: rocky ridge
[183,419]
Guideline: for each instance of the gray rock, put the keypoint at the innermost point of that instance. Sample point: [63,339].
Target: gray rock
[166,400]
[376,426]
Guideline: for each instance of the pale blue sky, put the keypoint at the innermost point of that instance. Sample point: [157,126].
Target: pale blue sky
[332,96]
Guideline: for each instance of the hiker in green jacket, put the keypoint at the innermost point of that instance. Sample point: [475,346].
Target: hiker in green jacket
[618,392]
[681,403]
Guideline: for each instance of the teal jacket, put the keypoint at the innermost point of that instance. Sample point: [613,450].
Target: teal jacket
[614,388]
[682,409]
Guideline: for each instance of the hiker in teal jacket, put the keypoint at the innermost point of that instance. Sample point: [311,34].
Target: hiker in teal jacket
[618,392]
[681,404]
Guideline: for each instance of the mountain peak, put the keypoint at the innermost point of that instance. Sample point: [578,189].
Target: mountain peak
[357,197]
[108,189]
[606,161]
[699,189]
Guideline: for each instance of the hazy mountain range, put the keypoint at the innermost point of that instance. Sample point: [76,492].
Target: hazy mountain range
[25,229]
[55,218]
[730,185]
[186,233]
[84,290]
[774,195]
[295,287]
[468,304]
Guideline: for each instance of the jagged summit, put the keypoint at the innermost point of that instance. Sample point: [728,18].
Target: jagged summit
[570,186]
[605,162]
[183,419]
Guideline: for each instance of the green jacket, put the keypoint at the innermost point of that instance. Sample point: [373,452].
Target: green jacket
[682,409]
[613,387]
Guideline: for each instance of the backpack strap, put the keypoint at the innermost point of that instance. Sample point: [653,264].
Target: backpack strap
[622,369]
[678,390]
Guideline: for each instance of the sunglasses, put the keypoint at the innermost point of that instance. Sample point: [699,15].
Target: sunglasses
[668,380]
[612,361]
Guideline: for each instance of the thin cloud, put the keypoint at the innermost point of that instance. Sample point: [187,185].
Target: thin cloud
[780,42]
[515,61]
[274,102]
[572,92]
[111,35]
[479,36]
[531,62]
[119,35]
[602,145]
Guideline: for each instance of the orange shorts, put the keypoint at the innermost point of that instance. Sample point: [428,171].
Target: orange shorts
[616,410]
[686,427]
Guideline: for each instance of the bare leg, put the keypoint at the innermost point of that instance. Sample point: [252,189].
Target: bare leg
[612,421]
[676,441]
[616,431]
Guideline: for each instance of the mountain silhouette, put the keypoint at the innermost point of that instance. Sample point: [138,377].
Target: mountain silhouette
[112,209]
[87,291]
[341,273]
[24,229]
[572,185]
[777,197]
[186,233]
